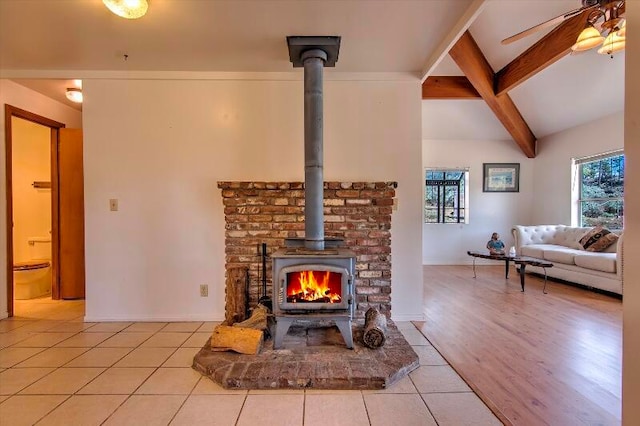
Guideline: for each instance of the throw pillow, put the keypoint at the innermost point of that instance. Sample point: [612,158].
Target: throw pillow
[598,239]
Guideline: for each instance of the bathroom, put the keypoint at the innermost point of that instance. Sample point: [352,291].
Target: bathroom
[31,204]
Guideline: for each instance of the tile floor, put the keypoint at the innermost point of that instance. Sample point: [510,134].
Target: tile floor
[56,369]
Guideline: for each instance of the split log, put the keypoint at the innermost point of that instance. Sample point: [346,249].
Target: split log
[257,320]
[236,300]
[375,329]
[238,339]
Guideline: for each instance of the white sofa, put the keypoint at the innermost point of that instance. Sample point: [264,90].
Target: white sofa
[560,245]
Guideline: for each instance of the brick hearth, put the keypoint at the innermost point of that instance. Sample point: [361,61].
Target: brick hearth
[269,212]
[314,358]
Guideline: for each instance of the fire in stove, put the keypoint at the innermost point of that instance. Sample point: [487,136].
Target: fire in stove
[314,287]
[312,282]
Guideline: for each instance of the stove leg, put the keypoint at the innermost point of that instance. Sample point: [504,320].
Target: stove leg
[282,326]
[345,330]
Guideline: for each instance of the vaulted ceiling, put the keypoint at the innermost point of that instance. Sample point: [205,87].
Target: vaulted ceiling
[66,39]
[532,88]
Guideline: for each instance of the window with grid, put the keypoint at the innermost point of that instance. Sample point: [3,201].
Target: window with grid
[601,190]
[446,197]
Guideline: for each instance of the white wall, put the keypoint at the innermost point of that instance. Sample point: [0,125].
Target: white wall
[160,146]
[631,274]
[19,96]
[545,185]
[447,244]
[552,165]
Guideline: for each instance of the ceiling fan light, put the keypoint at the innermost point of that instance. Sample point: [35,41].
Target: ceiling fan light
[612,44]
[588,39]
[129,9]
[74,95]
[622,32]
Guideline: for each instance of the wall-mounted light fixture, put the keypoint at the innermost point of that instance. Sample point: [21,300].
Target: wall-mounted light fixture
[74,95]
[129,9]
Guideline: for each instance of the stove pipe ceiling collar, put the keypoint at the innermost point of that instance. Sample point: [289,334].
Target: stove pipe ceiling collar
[313,53]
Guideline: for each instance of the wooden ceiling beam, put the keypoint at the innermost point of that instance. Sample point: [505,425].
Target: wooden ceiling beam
[449,87]
[468,56]
[545,52]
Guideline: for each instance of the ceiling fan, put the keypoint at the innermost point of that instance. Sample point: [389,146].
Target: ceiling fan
[604,20]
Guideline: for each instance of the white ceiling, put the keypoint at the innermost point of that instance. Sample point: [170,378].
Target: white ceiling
[220,35]
[39,38]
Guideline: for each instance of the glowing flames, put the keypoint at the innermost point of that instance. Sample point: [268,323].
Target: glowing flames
[314,286]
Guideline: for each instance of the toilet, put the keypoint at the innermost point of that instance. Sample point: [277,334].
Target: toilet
[32,278]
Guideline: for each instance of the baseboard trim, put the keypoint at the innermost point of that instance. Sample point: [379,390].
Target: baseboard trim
[4,315]
[407,317]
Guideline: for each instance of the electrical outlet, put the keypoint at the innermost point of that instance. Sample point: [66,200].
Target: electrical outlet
[113,204]
[204,290]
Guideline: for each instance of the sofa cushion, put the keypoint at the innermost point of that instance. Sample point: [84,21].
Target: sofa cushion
[598,239]
[605,262]
[559,254]
[533,250]
[614,247]
[569,237]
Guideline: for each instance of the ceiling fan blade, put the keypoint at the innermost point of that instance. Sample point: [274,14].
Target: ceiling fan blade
[551,22]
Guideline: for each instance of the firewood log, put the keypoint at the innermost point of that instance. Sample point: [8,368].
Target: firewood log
[375,329]
[238,339]
[257,320]
[236,296]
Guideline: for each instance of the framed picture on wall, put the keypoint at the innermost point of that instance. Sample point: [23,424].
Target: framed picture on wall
[501,177]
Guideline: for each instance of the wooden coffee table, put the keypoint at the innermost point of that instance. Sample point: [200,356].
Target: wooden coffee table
[521,261]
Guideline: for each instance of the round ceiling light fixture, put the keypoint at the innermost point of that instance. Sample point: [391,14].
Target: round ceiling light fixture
[74,95]
[129,9]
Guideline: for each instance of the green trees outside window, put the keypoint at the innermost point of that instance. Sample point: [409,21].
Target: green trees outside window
[602,192]
[445,196]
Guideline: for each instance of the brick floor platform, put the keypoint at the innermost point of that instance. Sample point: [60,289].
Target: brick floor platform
[312,357]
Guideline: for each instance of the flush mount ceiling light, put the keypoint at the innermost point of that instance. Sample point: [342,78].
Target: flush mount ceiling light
[74,95]
[129,9]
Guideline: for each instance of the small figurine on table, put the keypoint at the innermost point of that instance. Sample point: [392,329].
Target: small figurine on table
[494,245]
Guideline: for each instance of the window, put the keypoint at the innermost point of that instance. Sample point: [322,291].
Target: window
[446,198]
[601,190]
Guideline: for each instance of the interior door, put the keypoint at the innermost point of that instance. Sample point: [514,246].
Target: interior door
[71,215]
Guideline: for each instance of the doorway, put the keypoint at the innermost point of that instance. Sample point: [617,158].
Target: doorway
[66,231]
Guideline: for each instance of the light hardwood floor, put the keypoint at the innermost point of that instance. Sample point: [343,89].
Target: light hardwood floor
[536,358]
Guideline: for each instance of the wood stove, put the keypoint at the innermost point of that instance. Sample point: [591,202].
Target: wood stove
[311,285]
[314,277]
